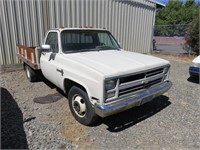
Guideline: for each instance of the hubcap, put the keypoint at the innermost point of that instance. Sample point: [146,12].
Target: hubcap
[79,106]
[28,73]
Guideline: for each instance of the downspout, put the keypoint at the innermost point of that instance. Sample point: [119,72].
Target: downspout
[153,27]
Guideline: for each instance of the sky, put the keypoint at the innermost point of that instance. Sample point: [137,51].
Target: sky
[166,1]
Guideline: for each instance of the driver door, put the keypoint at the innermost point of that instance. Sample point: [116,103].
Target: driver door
[48,58]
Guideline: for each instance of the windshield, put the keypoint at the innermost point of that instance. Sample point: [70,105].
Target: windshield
[87,40]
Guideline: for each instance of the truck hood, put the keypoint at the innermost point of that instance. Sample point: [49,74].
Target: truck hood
[197,60]
[116,62]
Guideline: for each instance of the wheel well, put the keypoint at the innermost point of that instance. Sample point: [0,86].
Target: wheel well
[69,83]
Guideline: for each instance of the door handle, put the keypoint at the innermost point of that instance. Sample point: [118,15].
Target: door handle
[61,71]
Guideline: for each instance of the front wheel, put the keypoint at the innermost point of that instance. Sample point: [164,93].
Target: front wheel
[80,106]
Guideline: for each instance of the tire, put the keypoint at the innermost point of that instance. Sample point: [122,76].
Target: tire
[30,74]
[80,106]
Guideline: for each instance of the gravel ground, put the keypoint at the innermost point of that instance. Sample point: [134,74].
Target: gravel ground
[37,116]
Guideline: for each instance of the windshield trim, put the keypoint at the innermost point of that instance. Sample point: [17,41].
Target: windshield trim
[109,33]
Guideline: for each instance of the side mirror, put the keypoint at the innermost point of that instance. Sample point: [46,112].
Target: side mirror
[45,48]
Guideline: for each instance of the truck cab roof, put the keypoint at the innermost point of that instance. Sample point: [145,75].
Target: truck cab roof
[81,28]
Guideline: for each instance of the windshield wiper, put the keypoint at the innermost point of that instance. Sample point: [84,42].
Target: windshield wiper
[85,50]
[98,48]
[104,47]
[81,50]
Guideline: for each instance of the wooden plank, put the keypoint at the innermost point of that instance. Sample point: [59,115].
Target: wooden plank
[28,56]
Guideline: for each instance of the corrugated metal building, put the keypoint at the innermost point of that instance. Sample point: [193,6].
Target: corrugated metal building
[26,21]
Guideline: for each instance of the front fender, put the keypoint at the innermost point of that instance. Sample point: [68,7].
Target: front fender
[93,88]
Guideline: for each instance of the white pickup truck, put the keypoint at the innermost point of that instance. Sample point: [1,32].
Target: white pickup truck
[97,75]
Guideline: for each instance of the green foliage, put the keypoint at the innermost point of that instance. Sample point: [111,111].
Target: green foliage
[176,12]
[192,40]
[180,19]
[175,18]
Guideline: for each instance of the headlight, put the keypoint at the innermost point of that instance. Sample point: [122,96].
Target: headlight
[166,69]
[166,72]
[110,84]
[195,65]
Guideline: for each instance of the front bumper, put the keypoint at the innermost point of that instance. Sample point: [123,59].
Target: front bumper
[194,71]
[132,101]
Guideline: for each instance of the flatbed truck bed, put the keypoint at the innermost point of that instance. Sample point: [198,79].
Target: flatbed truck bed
[29,55]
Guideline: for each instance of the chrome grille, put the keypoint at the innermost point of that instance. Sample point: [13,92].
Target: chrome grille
[140,81]
[132,78]
[154,72]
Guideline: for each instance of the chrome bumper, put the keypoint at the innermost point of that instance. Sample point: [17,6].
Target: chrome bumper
[131,101]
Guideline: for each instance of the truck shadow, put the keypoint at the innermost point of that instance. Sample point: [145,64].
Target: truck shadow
[12,131]
[51,98]
[48,83]
[194,80]
[124,120]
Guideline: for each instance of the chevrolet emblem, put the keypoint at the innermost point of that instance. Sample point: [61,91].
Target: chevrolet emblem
[145,81]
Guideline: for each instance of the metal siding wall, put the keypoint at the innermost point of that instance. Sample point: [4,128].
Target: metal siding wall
[2,44]
[26,22]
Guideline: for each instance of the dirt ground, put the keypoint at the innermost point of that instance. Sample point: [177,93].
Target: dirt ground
[37,116]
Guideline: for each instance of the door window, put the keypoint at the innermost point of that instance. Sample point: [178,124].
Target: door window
[52,40]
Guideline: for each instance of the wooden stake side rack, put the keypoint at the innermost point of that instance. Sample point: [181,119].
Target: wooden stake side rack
[29,55]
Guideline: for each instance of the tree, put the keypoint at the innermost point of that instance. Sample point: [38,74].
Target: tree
[192,40]
[189,11]
[169,14]
[175,13]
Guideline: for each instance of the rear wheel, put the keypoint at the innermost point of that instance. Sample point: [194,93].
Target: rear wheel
[30,74]
[80,106]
